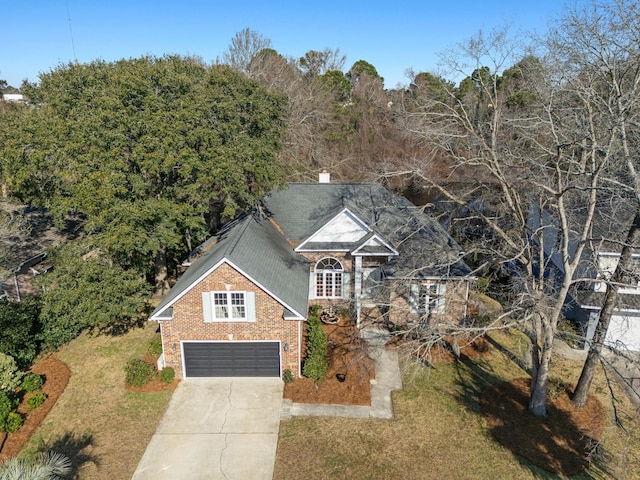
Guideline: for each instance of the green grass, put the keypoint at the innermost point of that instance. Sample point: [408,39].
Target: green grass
[438,432]
[98,423]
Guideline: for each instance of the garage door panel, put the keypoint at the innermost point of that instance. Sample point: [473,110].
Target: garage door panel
[232,359]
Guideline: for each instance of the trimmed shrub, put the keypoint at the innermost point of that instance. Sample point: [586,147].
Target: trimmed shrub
[315,365]
[167,375]
[138,372]
[36,400]
[7,406]
[13,422]
[10,376]
[287,376]
[31,383]
[155,346]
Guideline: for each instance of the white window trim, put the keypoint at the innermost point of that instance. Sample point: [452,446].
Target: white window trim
[421,304]
[332,274]
[209,306]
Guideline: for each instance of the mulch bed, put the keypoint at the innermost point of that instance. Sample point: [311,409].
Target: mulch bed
[561,443]
[155,385]
[56,377]
[347,355]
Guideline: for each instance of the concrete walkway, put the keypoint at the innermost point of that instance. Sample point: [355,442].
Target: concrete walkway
[216,428]
[387,379]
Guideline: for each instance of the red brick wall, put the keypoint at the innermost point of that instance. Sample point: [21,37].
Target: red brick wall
[399,307]
[188,320]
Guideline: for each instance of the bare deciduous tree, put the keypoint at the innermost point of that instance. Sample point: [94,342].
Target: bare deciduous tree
[245,45]
[599,44]
[538,164]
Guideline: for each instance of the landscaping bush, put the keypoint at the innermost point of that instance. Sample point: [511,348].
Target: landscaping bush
[13,422]
[167,375]
[155,346]
[36,400]
[287,376]
[20,330]
[7,406]
[139,372]
[315,365]
[10,376]
[31,383]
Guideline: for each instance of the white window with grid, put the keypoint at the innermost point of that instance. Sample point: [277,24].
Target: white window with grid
[329,274]
[428,297]
[228,306]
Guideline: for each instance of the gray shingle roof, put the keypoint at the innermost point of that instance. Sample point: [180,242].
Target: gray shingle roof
[425,248]
[626,301]
[259,249]
[252,244]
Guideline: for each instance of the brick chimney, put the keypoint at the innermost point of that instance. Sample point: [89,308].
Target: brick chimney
[324,177]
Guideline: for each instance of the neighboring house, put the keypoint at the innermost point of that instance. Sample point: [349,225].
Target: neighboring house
[239,309]
[599,260]
[24,248]
[13,97]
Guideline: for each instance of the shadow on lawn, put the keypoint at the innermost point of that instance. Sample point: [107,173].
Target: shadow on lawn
[554,443]
[75,448]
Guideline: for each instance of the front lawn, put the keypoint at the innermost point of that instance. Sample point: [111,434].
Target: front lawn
[103,427]
[440,432]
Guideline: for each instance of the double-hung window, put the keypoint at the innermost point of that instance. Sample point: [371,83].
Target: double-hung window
[329,275]
[228,306]
[428,297]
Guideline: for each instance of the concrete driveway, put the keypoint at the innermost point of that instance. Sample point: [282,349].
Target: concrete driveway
[216,428]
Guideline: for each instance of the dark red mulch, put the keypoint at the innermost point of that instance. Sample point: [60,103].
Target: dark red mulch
[56,376]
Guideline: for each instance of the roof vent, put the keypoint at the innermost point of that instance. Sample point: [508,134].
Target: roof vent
[324,177]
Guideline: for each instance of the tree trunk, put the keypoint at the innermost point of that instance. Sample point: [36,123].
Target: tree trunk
[610,300]
[540,375]
[162,284]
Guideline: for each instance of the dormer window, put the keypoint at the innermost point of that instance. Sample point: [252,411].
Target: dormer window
[329,272]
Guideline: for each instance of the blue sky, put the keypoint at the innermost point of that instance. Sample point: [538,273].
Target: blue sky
[37,35]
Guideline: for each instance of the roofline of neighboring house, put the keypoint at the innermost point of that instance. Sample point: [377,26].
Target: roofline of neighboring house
[157,317]
[616,254]
[622,310]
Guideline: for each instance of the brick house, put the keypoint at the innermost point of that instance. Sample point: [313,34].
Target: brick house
[240,307]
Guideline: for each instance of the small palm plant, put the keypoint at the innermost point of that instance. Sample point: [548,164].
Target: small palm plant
[45,466]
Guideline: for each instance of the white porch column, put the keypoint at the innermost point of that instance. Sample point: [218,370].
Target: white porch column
[358,287]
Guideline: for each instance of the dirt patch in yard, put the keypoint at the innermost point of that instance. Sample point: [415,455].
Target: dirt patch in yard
[470,348]
[563,442]
[348,361]
[56,377]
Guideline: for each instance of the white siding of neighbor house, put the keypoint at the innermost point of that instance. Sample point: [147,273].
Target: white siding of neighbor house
[607,264]
[12,97]
[623,332]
